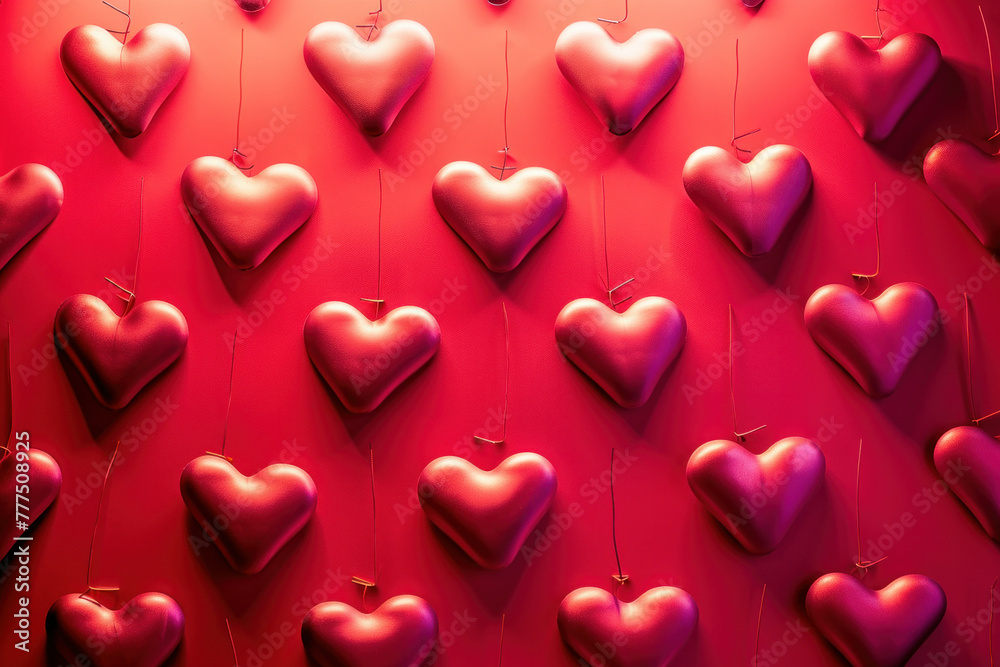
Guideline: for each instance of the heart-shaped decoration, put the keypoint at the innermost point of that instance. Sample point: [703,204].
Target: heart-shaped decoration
[118,356]
[873,89]
[756,498]
[247,217]
[621,82]
[648,632]
[126,84]
[625,353]
[143,633]
[488,514]
[251,6]
[874,340]
[500,220]
[751,202]
[967,180]
[968,459]
[364,361]
[875,628]
[31,197]
[400,633]
[370,80]
[262,512]
[45,482]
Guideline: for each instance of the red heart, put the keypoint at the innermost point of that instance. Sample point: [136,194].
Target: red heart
[751,202]
[247,217]
[756,498]
[118,356]
[262,512]
[500,220]
[488,514]
[370,80]
[625,353]
[649,632]
[621,82]
[143,633]
[126,84]
[875,628]
[401,632]
[873,89]
[364,361]
[967,180]
[44,480]
[874,340]
[31,196]
[251,6]
[968,459]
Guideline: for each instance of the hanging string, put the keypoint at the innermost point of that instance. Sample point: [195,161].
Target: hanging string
[506,389]
[503,168]
[503,619]
[621,20]
[620,577]
[373,26]
[736,91]
[993,78]
[128,26]
[760,615]
[968,356]
[360,581]
[878,22]
[131,298]
[862,565]
[740,437]
[607,262]
[229,404]
[93,538]
[878,252]
[232,642]
[239,113]
[378,300]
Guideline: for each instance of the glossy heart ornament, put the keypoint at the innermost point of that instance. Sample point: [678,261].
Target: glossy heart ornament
[500,220]
[402,632]
[45,480]
[874,340]
[247,217]
[751,202]
[251,6]
[118,356]
[967,180]
[873,89]
[648,632]
[143,633]
[370,80]
[875,628]
[262,512]
[756,498]
[968,459]
[488,514]
[126,84]
[31,197]
[364,361]
[625,353]
[621,82]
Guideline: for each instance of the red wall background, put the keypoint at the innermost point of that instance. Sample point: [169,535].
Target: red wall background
[783,380]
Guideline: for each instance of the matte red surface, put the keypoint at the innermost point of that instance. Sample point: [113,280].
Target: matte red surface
[282,411]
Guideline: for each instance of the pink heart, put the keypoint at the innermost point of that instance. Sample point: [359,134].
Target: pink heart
[875,628]
[400,633]
[649,632]
[500,220]
[370,80]
[751,202]
[621,82]
[126,84]
[489,514]
[873,89]
[874,340]
[967,180]
[262,512]
[625,353]
[44,482]
[756,498]
[968,459]
[118,356]
[247,217]
[31,197]
[143,633]
[364,361]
